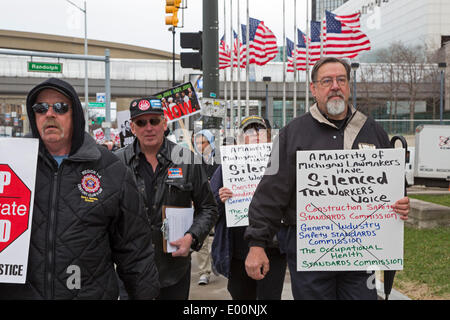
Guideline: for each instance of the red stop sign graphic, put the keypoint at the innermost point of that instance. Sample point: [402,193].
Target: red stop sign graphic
[15,200]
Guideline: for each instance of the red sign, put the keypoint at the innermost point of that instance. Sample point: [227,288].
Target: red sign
[15,200]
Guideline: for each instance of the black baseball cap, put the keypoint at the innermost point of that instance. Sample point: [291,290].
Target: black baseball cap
[150,105]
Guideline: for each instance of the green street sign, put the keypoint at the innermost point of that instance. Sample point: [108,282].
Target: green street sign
[44,67]
[96,104]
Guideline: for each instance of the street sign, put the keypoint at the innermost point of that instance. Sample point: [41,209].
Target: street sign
[96,104]
[101,97]
[44,67]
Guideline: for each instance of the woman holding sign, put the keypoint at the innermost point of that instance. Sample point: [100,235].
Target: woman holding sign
[229,248]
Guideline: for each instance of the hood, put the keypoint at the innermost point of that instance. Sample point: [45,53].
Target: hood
[209,136]
[77,110]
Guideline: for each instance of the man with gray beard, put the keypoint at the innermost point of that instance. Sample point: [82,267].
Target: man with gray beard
[331,124]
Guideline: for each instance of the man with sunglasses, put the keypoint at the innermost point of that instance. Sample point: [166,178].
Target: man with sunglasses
[331,124]
[87,216]
[168,175]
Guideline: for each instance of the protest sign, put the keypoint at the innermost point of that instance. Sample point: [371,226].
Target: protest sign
[123,125]
[243,166]
[345,219]
[99,135]
[179,102]
[17,182]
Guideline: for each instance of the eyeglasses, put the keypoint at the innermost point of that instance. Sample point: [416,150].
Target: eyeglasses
[328,81]
[153,121]
[58,107]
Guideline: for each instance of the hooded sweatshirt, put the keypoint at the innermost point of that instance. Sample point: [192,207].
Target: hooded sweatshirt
[210,137]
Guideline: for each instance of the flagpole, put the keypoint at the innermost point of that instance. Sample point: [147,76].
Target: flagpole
[225,71]
[295,60]
[231,70]
[239,64]
[307,59]
[321,37]
[247,66]
[284,65]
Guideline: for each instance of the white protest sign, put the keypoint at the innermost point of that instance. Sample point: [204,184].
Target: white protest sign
[243,166]
[18,159]
[345,219]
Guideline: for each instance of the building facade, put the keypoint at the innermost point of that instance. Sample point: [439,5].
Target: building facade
[413,22]
[318,7]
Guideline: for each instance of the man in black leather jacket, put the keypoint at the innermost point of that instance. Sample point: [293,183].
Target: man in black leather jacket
[87,215]
[168,174]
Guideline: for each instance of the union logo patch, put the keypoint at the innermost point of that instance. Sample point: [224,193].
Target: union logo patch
[90,186]
[144,105]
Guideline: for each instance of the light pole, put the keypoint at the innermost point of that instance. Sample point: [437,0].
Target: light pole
[441,66]
[172,29]
[355,66]
[86,87]
[267,81]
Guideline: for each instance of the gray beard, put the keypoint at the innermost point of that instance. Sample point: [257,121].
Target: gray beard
[335,107]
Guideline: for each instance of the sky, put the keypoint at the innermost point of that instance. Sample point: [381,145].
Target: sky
[140,22]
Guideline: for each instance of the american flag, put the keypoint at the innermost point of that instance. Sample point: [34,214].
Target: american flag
[314,49]
[343,41]
[351,20]
[242,51]
[262,42]
[224,54]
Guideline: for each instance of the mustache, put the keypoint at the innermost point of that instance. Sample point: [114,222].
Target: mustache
[335,95]
[51,123]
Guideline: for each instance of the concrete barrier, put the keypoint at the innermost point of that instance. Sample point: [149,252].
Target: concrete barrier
[428,215]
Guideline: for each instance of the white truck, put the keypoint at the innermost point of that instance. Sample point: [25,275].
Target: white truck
[430,158]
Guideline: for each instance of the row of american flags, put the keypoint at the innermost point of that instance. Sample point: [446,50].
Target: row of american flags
[337,36]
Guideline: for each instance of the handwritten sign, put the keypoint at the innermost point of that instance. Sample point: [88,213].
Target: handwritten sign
[243,166]
[345,219]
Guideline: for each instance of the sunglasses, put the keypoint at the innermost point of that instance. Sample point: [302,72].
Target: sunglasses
[153,121]
[58,107]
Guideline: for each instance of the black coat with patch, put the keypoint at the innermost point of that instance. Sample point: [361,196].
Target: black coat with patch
[87,216]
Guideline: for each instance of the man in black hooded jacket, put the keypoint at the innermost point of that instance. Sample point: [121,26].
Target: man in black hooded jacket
[87,213]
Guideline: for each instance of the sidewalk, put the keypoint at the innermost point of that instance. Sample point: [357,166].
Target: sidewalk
[217,287]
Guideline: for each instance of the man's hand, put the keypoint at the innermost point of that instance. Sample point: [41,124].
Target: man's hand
[225,194]
[402,208]
[257,263]
[183,245]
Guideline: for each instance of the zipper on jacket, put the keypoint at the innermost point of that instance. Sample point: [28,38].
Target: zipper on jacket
[51,240]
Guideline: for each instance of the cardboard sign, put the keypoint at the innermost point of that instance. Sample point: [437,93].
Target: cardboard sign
[179,102]
[345,219]
[17,181]
[243,166]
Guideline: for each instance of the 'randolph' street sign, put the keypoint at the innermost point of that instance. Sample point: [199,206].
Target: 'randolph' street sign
[44,67]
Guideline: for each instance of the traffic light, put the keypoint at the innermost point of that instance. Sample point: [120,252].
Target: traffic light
[191,40]
[172,7]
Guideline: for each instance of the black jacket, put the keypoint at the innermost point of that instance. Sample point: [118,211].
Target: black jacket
[275,195]
[88,231]
[192,188]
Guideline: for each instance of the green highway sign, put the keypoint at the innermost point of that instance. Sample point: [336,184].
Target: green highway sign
[44,67]
[96,104]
